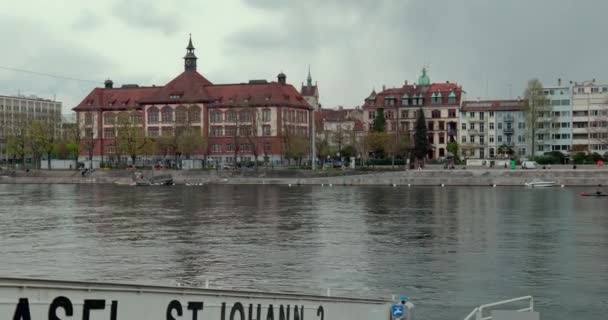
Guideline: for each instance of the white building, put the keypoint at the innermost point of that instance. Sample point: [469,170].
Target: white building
[590,117]
[493,129]
[16,112]
[555,126]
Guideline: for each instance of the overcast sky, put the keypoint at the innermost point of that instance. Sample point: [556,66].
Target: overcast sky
[490,47]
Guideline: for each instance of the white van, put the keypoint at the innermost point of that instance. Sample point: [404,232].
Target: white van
[529,165]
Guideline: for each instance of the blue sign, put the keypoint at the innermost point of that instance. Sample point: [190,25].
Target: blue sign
[397,311]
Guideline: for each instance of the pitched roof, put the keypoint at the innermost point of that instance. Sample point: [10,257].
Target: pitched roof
[189,86]
[115,98]
[426,92]
[493,105]
[309,91]
[258,94]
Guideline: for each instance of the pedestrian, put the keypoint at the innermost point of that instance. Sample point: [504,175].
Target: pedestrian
[598,191]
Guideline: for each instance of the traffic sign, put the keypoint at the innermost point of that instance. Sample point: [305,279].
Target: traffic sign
[397,311]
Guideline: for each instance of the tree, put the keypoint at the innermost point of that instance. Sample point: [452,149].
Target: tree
[453,148]
[190,140]
[42,136]
[130,137]
[72,141]
[421,142]
[15,147]
[376,142]
[398,145]
[537,110]
[379,121]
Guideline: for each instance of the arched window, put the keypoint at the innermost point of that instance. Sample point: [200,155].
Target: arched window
[181,114]
[137,117]
[108,118]
[194,114]
[166,115]
[244,116]
[153,115]
[123,117]
[230,116]
[216,116]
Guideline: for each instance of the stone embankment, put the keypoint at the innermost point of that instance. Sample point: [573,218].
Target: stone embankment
[428,177]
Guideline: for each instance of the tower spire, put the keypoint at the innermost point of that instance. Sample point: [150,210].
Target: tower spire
[190,58]
[309,78]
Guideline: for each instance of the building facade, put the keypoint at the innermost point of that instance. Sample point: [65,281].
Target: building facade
[440,103]
[340,127]
[554,124]
[590,117]
[17,112]
[239,122]
[493,129]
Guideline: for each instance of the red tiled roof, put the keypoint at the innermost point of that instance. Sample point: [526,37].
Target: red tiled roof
[189,86]
[258,94]
[411,90]
[115,98]
[493,105]
[311,91]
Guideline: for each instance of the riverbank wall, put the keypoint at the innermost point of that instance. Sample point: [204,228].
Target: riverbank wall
[427,177]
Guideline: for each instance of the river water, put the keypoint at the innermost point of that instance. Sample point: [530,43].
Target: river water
[449,249]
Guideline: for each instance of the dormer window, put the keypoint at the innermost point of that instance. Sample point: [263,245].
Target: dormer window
[175,96]
[267,98]
[405,100]
[452,98]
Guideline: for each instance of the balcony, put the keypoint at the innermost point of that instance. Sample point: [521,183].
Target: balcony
[508,130]
[477,120]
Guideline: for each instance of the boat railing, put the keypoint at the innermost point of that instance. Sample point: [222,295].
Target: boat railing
[477,313]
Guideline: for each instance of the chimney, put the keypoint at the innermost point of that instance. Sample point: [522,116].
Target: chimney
[593,80]
[108,84]
[383,87]
[559,82]
[406,82]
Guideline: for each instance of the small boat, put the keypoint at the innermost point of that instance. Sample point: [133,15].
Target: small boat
[540,184]
[159,180]
[594,194]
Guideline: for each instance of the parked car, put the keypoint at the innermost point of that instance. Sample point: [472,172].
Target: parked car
[529,165]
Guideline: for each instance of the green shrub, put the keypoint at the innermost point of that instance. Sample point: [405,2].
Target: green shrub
[595,157]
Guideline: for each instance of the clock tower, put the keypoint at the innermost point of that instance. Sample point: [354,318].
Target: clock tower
[190,58]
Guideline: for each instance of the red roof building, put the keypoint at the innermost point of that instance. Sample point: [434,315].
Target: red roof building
[239,122]
[440,103]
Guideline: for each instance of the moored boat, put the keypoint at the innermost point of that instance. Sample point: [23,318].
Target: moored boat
[540,184]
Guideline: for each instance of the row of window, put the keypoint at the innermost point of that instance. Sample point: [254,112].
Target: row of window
[411,114]
[499,139]
[242,147]
[416,100]
[181,113]
[593,89]
[508,126]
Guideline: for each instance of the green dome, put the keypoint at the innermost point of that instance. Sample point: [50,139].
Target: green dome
[424,79]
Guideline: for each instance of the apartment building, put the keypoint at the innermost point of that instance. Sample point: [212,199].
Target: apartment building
[590,117]
[493,129]
[17,112]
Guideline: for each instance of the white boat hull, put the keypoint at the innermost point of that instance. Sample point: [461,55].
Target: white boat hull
[540,184]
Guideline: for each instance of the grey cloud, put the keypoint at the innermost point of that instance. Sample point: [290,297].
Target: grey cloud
[147,15]
[51,54]
[87,20]
[483,45]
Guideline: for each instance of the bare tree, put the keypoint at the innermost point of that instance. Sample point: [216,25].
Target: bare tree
[537,109]
[131,139]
